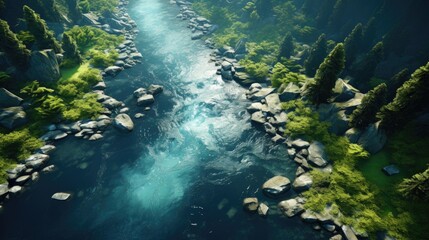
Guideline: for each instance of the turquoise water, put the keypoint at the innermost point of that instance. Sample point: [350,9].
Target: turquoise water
[181,174]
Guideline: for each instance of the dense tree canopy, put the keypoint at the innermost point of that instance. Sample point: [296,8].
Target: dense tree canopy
[416,187]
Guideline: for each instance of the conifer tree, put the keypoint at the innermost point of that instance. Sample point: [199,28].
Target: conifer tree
[366,68]
[327,74]
[369,33]
[416,187]
[71,51]
[396,81]
[411,98]
[74,10]
[287,47]
[352,44]
[317,54]
[37,26]
[365,113]
[12,46]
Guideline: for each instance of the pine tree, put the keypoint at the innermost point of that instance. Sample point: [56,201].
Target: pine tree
[411,98]
[287,47]
[37,26]
[416,187]
[12,46]
[396,81]
[366,68]
[369,33]
[74,10]
[327,74]
[352,44]
[365,114]
[71,51]
[317,54]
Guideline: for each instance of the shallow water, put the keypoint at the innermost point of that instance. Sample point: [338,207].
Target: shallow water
[181,174]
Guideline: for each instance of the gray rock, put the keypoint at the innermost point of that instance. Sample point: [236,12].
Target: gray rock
[329,227]
[140,92]
[145,100]
[303,182]
[136,55]
[89,125]
[35,161]
[43,66]
[15,190]
[350,105]
[273,103]
[61,196]
[23,179]
[317,155]
[257,106]
[258,117]
[35,176]
[344,91]
[251,204]
[309,217]
[291,92]
[291,153]
[261,94]
[104,123]
[46,149]
[299,171]
[300,144]
[373,138]
[138,115]
[16,172]
[84,132]
[391,170]
[12,117]
[123,56]
[226,75]
[111,103]
[291,207]
[155,89]
[197,35]
[263,209]
[270,129]
[96,137]
[4,189]
[353,134]
[336,237]
[8,99]
[100,86]
[120,63]
[48,169]
[54,135]
[276,185]
[348,233]
[113,70]
[278,139]
[226,66]
[123,122]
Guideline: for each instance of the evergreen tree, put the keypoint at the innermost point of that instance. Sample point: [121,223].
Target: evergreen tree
[396,81]
[327,75]
[365,114]
[369,33]
[71,51]
[337,14]
[15,49]
[416,187]
[74,10]
[317,54]
[352,44]
[37,26]
[366,68]
[287,47]
[411,98]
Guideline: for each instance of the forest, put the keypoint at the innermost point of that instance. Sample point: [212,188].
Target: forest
[377,50]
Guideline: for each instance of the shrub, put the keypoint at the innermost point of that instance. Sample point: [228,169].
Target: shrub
[257,70]
[87,107]
[103,60]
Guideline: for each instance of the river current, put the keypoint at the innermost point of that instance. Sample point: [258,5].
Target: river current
[184,170]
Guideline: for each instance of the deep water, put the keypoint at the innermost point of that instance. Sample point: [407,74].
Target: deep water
[181,174]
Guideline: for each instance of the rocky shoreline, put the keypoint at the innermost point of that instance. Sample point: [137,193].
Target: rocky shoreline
[266,111]
[115,111]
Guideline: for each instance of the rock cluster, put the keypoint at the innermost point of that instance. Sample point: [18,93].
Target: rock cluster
[199,26]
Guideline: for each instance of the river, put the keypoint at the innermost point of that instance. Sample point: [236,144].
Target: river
[181,174]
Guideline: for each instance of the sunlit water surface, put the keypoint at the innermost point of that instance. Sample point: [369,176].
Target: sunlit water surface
[181,174]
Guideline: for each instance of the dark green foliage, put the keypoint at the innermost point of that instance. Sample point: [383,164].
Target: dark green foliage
[37,26]
[36,92]
[1,4]
[416,187]
[411,98]
[100,59]
[98,6]
[281,76]
[371,104]
[70,49]
[396,81]
[87,107]
[15,49]
[27,38]
[369,33]
[51,107]
[366,68]
[326,76]
[286,47]
[87,37]
[317,54]
[48,8]
[352,44]
[74,10]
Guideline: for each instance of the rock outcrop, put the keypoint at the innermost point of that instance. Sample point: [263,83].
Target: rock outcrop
[43,66]
[8,99]
[12,117]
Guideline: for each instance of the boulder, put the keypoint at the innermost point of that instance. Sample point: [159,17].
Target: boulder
[123,122]
[276,185]
[12,117]
[258,117]
[197,35]
[43,66]
[95,137]
[226,65]
[300,144]
[54,135]
[303,182]
[89,125]
[46,149]
[35,176]
[291,92]
[16,172]
[278,139]
[339,123]
[291,207]
[15,190]
[336,237]
[111,103]
[309,217]
[299,171]
[104,123]
[261,94]
[61,196]
[22,180]
[270,129]
[8,99]
[145,100]
[251,204]
[242,78]
[100,86]
[226,75]
[263,209]
[257,106]
[391,170]
[48,169]
[353,134]
[140,92]
[136,55]
[155,89]
[350,105]
[344,91]
[138,115]
[348,233]
[4,190]
[37,160]
[113,70]
[273,103]
[317,155]
[373,138]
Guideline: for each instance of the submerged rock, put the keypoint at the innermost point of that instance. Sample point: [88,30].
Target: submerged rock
[263,209]
[250,204]
[61,196]
[155,89]
[276,186]
[123,122]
